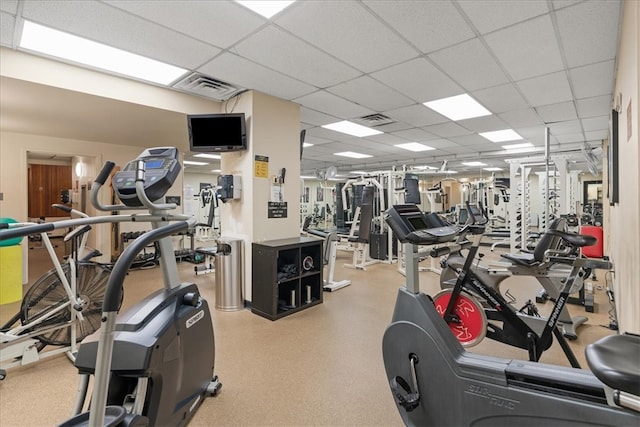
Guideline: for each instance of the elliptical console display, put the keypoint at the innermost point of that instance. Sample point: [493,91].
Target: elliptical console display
[161,168]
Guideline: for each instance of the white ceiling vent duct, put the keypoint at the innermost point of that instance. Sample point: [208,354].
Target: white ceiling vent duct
[373,120]
[209,87]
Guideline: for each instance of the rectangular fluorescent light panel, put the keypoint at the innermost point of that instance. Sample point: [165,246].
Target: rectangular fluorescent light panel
[352,155]
[307,144]
[266,8]
[358,172]
[517,146]
[216,170]
[208,156]
[501,135]
[56,43]
[458,107]
[189,162]
[492,169]
[351,128]
[474,164]
[415,146]
[424,167]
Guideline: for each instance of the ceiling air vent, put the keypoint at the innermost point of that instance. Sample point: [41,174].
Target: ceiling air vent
[207,86]
[373,120]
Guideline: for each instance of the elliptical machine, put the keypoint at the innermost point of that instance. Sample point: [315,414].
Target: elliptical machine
[153,364]
[434,381]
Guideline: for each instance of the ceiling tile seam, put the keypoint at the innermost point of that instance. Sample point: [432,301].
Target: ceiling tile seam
[393,30]
[563,58]
[17,25]
[531,18]
[171,29]
[493,55]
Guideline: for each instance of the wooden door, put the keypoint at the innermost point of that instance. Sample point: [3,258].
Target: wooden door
[45,184]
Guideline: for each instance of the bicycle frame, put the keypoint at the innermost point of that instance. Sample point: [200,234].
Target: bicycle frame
[499,309]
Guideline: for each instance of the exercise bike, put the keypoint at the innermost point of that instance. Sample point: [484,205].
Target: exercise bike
[61,307]
[435,381]
[475,309]
[538,264]
[154,363]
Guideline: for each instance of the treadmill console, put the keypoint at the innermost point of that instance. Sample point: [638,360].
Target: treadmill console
[410,224]
[161,168]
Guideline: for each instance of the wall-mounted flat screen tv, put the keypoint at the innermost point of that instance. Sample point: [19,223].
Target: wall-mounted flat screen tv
[217,132]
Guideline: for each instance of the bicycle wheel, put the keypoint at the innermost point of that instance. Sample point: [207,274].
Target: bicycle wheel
[48,293]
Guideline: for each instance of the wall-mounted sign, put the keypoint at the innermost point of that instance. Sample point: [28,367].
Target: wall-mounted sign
[261,166]
[277,210]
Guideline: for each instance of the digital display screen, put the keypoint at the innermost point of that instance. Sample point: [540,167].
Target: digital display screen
[153,164]
[217,132]
[417,222]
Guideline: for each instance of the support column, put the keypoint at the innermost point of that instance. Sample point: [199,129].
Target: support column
[273,132]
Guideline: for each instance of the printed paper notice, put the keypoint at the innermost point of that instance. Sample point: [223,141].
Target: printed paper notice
[261,166]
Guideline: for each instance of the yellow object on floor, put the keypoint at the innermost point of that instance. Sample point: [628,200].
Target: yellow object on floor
[10,274]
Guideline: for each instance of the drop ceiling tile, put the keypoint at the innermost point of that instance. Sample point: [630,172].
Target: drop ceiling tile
[490,15]
[9,6]
[114,27]
[458,149]
[416,115]
[548,89]
[388,139]
[329,103]
[392,127]
[418,79]
[446,130]
[6,29]
[327,134]
[473,139]
[569,138]
[521,118]
[484,124]
[589,31]
[371,94]
[219,23]
[328,25]
[563,128]
[429,25]
[559,4]
[317,118]
[315,140]
[440,144]
[470,65]
[595,123]
[557,112]
[416,135]
[597,135]
[499,99]
[528,49]
[593,80]
[595,106]
[280,51]
[242,72]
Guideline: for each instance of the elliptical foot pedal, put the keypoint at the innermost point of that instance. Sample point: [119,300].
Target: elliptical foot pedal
[113,415]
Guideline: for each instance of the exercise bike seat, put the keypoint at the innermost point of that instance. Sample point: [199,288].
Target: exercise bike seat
[577,240]
[615,360]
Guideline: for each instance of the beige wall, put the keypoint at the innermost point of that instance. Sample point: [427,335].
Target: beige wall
[624,217]
[273,128]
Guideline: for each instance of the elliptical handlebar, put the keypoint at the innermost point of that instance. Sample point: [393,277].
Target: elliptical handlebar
[113,290]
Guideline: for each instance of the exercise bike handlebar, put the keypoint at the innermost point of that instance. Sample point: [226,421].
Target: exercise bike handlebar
[446,250]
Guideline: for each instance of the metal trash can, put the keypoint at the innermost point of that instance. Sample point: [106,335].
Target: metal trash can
[228,266]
